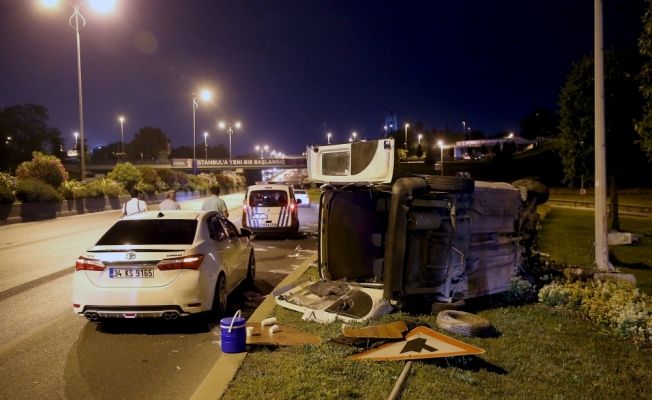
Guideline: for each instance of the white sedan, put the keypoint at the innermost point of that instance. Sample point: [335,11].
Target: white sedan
[301,194]
[165,264]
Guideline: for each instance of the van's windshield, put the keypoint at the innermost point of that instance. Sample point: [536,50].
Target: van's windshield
[268,198]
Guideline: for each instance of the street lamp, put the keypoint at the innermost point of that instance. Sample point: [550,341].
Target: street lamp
[205,95]
[122,137]
[329,138]
[420,136]
[76,15]
[76,142]
[463,126]
[405,144]
[230,132]
[206,143]
[441,147]
[354,135]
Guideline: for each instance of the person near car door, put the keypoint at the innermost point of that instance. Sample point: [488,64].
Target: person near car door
[214,203]
[134,205]
[171,202]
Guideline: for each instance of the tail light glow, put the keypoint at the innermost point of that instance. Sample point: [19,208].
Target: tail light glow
[186,262]
[88,264]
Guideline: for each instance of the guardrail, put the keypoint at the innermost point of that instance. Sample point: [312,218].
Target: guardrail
[624,208]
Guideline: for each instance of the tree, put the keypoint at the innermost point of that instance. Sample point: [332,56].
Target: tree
[24,130]
[148,141]
[623,105]
[540,123]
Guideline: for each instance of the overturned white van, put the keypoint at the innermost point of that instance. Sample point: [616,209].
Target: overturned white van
[435,239]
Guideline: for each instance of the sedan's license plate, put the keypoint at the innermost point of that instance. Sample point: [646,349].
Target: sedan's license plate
[131,272]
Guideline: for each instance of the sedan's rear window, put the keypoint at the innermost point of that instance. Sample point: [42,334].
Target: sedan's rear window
[268,198]
[144,232]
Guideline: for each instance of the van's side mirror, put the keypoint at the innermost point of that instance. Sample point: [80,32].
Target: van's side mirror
[246,232]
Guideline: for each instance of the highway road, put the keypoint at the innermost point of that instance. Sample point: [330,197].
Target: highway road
[47,351]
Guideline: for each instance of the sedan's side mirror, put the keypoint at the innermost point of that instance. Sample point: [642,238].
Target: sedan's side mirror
[298,201]
[246,232]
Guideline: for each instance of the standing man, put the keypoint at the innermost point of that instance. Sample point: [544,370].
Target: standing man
[134,205]
[214,203]
[171,202]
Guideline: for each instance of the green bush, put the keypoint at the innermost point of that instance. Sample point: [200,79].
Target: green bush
[33,191]
[616,305]
[145,188]
[126,174]
[148,175]
[43,168]
[8,182]
[6,195]
[182,179]
[69,188]
[107,187]
[167,175]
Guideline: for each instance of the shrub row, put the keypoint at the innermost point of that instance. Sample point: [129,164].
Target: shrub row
[615,305]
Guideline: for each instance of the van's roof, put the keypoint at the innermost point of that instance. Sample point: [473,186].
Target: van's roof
[272,186]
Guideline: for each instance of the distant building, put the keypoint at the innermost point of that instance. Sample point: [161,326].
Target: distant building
[391,123]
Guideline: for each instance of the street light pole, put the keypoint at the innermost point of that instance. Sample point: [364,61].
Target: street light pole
[354,136]
[206,143]
[329,138]
[122,137]
[441,147]
[405,144]
[206,96]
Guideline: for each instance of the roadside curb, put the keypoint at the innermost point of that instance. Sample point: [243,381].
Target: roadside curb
[224,370]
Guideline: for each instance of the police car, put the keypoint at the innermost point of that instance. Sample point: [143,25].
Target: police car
[271,208]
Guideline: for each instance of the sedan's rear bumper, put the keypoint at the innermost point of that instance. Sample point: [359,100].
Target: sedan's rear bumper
[188,294]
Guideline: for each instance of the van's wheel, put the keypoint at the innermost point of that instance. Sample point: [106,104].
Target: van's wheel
[218,309]
[534,189]
[251,269]
[452,184]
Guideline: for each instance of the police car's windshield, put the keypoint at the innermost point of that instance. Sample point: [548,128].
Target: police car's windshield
[268,198]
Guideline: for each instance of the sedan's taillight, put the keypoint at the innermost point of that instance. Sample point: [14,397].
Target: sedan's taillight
[186,262]
[88,264]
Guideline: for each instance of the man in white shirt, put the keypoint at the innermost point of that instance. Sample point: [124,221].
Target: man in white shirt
[171,202]
[214,203]
[134,205]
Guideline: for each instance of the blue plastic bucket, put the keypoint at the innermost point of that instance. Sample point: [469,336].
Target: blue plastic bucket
[234,334]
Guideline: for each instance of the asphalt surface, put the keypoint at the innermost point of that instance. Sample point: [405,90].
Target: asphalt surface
[47,351]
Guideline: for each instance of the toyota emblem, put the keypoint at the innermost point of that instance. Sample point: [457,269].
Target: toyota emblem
[130,256]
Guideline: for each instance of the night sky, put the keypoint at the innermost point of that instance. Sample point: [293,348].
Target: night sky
[284,68]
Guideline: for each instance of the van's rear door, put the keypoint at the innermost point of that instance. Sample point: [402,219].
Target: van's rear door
[371,161]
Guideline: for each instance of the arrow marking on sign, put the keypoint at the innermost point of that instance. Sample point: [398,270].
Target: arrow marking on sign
[417,345]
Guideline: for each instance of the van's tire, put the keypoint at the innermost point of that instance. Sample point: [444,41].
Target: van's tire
[218,309]
[451,184]
[464,323]
[456,305]
[251,269]
[534,189]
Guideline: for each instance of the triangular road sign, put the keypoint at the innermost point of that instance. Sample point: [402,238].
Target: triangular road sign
[421,342]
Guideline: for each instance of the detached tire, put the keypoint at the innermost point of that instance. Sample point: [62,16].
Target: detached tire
[456,305]
[534,189]
[464,323]
[451,184]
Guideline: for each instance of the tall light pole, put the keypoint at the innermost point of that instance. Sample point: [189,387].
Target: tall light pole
[205,95]
[206,144]
[463,127]
[76,142]
[420,136]
[122,137]
[405,144]
[354,136]
[441,147]
[74,23]
[230,132]
[329,138]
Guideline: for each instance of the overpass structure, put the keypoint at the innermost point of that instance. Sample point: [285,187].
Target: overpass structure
[204,165]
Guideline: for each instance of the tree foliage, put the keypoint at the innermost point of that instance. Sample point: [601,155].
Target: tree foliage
[125,173]
[644,124]
[623,104]
[148,141]
[540,123]
[26,125]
